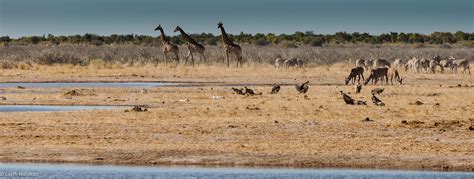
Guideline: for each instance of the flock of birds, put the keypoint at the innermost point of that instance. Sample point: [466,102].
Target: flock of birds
[303,88]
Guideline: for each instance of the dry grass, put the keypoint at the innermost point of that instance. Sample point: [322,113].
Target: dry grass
[14,55]
[285,129]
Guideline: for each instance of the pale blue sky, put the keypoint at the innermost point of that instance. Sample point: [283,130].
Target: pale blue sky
[68,17]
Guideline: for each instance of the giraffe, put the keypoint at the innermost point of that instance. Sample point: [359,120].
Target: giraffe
[168,46]
[230,47]
[193,46]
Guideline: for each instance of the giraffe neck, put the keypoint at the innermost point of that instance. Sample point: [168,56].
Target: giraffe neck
[187,37]
[163,37]
[225,38]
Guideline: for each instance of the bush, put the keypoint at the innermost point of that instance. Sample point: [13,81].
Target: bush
[317,42]
[289,45]
[262,42]
[211,41]
[49,58]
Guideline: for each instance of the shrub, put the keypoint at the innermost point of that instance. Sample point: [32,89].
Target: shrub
[317,42]
[211,41]
[49,58]
[262,42]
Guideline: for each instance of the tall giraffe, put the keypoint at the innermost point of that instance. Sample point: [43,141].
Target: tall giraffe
[229,46]
[193,46]
[168,46]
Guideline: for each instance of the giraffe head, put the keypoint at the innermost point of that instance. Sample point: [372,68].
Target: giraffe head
[220,25]
[158,28]
[177,29]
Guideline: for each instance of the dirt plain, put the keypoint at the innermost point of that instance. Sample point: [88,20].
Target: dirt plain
[206,124]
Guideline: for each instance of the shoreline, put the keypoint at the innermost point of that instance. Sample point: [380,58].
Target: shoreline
[416,167]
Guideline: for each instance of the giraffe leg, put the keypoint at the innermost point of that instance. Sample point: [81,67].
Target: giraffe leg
[177,58]
[192,58]
[166,58]
[203,57]
[227,56]
[187,56]
[239,59]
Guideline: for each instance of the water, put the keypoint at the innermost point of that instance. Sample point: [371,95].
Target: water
[30,170]
[86,84]
[24,108]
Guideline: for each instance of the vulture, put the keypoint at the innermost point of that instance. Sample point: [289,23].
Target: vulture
[248,91]
[238,91]
[361,102]
[347,98]
[377,90]
[275,89]
[358,87]
[377,101]
[303,88]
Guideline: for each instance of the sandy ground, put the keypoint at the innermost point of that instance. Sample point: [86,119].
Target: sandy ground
[185,125]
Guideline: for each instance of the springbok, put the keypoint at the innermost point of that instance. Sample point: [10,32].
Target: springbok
[360,63]
[355,72]
[377,74]
[393,73]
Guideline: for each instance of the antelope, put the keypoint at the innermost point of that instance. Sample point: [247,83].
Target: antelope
[376,74]
[393,73]
[378,63]
[360,63]
[355,72]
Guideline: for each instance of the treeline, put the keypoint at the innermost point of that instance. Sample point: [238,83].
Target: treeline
[307,37]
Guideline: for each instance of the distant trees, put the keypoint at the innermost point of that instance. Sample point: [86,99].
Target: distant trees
[308,37]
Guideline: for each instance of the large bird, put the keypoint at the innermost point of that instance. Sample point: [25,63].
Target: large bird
[377,101]
[377,90]
[303,88]
[249,91]
[238,91]
[275,89]
[347,98]
[358,102]
[358,88]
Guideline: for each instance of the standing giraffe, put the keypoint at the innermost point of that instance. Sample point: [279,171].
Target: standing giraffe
[168,46]
[230,47]
[193,46]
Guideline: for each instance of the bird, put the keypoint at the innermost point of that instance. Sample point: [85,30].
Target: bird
[358,102]
[377,101]
[249,91]
[303,88]
[238,91]
[358,87]
[347,98]
[275,89]
[377,90]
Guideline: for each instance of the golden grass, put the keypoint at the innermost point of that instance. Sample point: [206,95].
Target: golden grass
[286,129]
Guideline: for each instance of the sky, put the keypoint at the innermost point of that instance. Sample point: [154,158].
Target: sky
[69,17]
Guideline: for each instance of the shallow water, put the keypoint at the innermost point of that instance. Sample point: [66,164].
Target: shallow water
[108,171]
[87,84]
[44,108]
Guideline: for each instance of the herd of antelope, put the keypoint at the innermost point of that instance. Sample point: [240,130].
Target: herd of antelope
[382,69]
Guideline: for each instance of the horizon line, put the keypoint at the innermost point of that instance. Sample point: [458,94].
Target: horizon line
[265,33]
